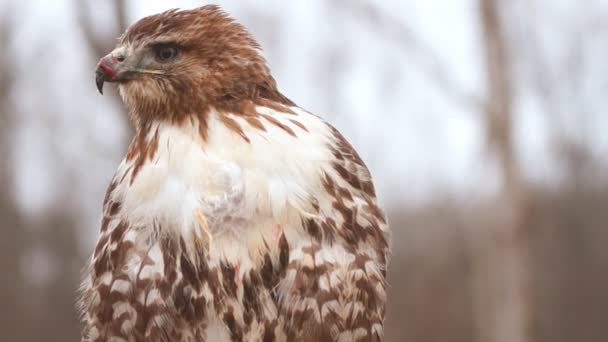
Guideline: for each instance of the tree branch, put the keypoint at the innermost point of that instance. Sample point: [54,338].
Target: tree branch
[403,37]
[99,45]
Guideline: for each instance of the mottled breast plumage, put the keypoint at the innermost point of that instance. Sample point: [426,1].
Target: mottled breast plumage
[237,217]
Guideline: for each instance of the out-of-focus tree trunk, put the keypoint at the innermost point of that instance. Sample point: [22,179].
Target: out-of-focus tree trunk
[501,284]
[12,236]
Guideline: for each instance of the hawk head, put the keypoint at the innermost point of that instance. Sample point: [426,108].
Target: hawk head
[177,63]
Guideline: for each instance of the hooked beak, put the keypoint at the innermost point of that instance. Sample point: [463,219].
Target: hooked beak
[110,68]
[117,67]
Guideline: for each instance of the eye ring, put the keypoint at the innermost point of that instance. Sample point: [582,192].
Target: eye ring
[165,53]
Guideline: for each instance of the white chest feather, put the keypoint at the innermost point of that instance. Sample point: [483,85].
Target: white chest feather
[254,183]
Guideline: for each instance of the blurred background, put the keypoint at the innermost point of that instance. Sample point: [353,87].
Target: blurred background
[482,121]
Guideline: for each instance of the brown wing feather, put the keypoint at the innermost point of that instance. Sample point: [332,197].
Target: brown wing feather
[335,283]
[116,303]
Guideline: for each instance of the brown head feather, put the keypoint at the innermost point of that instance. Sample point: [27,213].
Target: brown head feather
[219,65]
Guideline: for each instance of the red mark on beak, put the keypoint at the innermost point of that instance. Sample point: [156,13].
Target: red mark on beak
[107,69]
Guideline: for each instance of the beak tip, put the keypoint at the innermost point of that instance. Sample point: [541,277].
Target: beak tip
[99,81]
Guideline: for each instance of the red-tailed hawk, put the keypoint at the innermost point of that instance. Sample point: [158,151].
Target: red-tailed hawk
[235,214]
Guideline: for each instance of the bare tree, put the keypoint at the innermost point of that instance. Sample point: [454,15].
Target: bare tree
[502,283]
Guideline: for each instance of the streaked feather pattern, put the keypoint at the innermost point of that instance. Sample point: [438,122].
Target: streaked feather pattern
[248,219]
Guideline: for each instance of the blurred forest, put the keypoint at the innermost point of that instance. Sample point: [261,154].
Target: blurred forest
[511,248]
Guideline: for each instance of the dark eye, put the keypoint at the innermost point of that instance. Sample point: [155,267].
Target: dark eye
[165,53]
